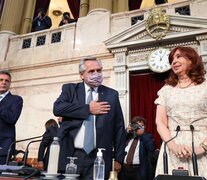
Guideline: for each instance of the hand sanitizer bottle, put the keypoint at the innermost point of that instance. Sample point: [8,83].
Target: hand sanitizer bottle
[53,157]
[99,166]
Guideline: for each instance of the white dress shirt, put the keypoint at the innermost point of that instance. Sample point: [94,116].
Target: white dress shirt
[79,139]
[136,153]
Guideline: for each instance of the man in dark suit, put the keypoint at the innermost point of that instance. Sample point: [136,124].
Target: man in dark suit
[41,21]
[66,19]
[137,167]
[107,118]
[10,110]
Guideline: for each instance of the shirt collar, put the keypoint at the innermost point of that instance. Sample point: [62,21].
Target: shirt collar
[3,95]
[87,88]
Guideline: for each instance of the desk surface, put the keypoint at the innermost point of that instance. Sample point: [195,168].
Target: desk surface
[15,177]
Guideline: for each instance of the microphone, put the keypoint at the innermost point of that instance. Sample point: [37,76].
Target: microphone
[194,157]
[14,142]
[165,159]
[27,148]
[27,151]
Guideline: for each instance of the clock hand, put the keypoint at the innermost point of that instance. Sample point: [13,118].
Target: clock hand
[163,55]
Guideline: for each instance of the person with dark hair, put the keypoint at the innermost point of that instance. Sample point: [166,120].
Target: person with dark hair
[10,110]
[92,119]
[66,19]
[51,128]
[139,146]
[182,101]
[41,21]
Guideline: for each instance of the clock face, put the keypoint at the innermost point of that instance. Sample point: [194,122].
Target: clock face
[158,60]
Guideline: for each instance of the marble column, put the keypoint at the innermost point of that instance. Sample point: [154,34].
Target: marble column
[121,78]
[122,5]
[12,15]
[95,4]
[28,16]
[84,7]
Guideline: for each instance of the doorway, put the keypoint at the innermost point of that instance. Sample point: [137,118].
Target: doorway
[144,86]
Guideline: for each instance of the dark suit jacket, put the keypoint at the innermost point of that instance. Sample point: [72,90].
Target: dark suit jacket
[110,131]
[69,21]
[146,147]
[10,110]
[45,23]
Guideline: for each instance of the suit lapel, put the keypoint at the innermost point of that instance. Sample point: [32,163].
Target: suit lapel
[81,92]
[102,94]
[6,98]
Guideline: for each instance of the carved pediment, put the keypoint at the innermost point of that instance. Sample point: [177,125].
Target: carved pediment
[180,26]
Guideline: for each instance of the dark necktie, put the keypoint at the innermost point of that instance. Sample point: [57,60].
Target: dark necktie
[131,151]
[89,128]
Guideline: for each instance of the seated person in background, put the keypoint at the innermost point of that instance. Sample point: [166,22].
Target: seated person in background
[51,127]
[66,19]
[136,162]
[41,21]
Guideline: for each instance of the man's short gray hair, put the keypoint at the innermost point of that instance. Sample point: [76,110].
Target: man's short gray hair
[82,66]
[6,72]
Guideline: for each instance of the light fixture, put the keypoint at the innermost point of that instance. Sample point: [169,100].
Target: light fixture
[57,13]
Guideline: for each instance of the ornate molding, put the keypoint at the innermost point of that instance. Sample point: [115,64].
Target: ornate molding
[201,37]
[120,69]
[181,44]
[119,50]
[204,58]
[120,58]
[203,49]
[135,58]
[139,36]
[122,93]
[180,29]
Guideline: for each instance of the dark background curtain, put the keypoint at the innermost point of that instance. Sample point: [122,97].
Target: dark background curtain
[143,91]
[41,4]
[134,4]
[74,6]
[1,7]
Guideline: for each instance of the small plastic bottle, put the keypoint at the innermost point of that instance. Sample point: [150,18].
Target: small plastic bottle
[53,157]
[99,166]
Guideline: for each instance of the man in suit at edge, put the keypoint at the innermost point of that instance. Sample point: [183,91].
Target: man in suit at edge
[10,110]
[138,166]
[109,128]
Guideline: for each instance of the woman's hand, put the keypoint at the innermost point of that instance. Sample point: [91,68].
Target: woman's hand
[180,151]
[198,150]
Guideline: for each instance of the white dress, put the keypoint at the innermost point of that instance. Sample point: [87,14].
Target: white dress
[185,107]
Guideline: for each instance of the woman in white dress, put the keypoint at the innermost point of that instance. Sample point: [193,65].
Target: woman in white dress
[182,101]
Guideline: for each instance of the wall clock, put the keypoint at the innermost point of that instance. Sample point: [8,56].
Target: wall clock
[158,60]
